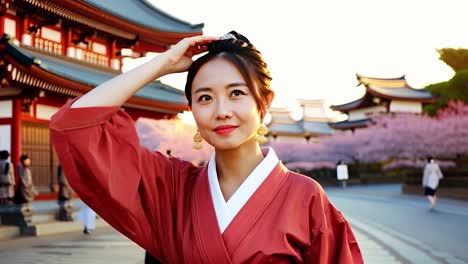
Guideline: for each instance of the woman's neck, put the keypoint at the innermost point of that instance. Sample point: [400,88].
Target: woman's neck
[233,166]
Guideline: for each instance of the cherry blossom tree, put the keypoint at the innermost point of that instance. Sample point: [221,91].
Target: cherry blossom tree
[173,135]
[409,136]
[402,137]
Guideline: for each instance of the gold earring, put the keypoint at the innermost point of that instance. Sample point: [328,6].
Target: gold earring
[197,141]
[261,132]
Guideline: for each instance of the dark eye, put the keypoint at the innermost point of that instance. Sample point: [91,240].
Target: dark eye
[237,93]
[204,98]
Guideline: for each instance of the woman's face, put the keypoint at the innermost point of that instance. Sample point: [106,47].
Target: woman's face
[223,106]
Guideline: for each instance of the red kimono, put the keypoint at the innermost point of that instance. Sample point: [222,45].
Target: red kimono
[165,206]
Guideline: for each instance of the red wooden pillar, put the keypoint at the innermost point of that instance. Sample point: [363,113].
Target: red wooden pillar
[23,27]
[2,18]
[16,134]
[113,54]
[66,40]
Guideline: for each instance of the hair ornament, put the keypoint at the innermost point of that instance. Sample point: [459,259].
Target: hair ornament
[227,36]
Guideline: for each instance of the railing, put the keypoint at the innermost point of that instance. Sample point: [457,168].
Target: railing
[88,56]
[48,45]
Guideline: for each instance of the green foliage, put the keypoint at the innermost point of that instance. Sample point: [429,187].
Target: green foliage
[457,59]
[437,90]
[457,87]
[453,89]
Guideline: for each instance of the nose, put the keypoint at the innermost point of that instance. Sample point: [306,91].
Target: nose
[223,110]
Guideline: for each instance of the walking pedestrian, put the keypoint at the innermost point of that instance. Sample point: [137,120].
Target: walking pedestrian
[26,190]
[244,206]
[64,196]
[430,182]
[7,179]
[87,217]
[342,173]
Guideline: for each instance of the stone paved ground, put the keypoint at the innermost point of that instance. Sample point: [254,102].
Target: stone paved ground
[111,247]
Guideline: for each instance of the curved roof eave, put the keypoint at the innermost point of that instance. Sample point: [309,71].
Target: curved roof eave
[349,106]
[424,97]
[359,77]
[352,124]
[154,94]
[143,13]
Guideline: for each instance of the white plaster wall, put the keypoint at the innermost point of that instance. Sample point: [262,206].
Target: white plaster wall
[51,34]
[403,106]
[359,114]
[5,137]
[45,112]
[9,27]
[6,109]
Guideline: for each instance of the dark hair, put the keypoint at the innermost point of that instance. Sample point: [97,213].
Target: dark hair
[4,154]
[429,159]
[246,58]
[23,158]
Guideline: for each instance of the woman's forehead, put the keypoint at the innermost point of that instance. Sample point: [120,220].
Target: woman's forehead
[218,72]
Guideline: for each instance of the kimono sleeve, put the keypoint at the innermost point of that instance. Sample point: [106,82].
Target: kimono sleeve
[129,186]
[332,240]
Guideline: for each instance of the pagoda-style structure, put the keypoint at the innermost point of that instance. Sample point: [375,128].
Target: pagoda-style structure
[312,125]
[54,50]
[381,96]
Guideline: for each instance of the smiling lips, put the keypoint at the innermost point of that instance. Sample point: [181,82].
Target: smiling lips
[223,130]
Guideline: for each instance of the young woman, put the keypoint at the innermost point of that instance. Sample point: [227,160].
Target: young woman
[244,206]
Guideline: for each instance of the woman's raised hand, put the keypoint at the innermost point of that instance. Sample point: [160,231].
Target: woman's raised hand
[119,89]
[179,56]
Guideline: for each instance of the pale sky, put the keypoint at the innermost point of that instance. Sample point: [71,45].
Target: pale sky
[314,48]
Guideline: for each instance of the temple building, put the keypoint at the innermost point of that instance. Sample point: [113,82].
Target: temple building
[312,125]
[381,96]
[54,50]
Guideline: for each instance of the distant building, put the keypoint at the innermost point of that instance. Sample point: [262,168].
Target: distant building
[382,96]
[312,125]
[52,51]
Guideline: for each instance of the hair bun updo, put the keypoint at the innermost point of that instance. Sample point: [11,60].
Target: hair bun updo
[238,50]
[230,42]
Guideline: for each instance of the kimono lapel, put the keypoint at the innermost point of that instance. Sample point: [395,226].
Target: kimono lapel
[253,209]
[207,233]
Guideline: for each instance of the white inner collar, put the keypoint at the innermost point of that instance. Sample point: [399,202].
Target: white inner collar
[226,211]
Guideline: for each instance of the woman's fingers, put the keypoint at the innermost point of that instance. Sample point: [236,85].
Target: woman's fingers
[200,40]
[198,49]
[180,55]
[193,45]
[201,49]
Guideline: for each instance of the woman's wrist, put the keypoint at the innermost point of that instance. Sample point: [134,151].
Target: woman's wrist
[163,63]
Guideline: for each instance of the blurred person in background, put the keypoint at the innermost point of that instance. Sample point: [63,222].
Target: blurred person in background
[342,173]
[7,179]
[87,217]
[430,182]
[65,194]
[26,190]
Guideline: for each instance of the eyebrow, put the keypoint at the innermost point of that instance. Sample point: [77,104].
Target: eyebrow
[207,89]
